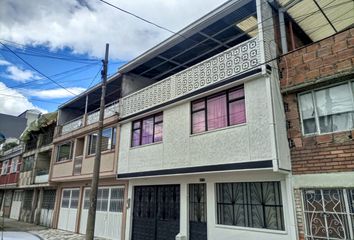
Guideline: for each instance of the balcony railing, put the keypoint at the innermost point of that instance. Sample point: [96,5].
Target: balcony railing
[41,176]
[110,110]
[234,61]
[72,125]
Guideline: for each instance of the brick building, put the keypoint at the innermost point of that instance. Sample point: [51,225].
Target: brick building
[317,84]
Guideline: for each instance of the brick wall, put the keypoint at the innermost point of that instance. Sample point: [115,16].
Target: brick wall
[299,214]
[301,69]
[330,56]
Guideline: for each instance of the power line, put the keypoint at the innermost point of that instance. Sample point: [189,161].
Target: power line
[30,65]
[32,99]
[99,70]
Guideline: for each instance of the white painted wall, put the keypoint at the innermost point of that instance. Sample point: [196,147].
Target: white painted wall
[251,141]
[215,231]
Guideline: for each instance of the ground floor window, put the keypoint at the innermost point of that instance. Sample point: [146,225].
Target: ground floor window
[108,199]
[329,213]
[250,204]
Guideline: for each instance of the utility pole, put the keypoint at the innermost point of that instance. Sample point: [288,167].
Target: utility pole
[90,228]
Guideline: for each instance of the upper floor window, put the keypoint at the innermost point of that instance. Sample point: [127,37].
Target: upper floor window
[5,167]
[220,110]
[108,140]
[65,151]
[14,165]
[327,110]
[28,163]
[147,130]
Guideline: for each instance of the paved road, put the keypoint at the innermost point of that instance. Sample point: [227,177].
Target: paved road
[10,225]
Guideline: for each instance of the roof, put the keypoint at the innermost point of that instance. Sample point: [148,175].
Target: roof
[213,33]
[320,18]
[12,126]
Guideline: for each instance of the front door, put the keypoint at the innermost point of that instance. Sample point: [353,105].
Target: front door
[197,212]
[68,209]
[156,212]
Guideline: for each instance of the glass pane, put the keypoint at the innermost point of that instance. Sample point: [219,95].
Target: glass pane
[64,152]
[336,122]
[93,141]
[74,198]
[334,100]
[106,139]
[237,112]
[307,107]
[198,105]
[87,199]
[147,132]
[114,138]
[158,117]
[217,113]
[158,132]
[136,138]
[236,93]
[117,200]
[198,122]
[309,125]
[136,124]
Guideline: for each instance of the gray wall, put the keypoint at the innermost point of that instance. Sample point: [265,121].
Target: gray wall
[132,83]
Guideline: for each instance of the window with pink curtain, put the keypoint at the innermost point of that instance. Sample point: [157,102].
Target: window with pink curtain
[224,109]
[147,130]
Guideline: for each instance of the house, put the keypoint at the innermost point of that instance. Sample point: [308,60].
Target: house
[204,147]
[10,162]
[73,159]
[36,196]
[317,87]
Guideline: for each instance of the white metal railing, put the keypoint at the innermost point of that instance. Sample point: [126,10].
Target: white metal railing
[234,61]
[110,109]
[72,125]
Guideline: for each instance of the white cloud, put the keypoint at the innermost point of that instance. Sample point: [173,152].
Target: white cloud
[13,102]
[20,75]
[86,25]
[4,63]
[53,93]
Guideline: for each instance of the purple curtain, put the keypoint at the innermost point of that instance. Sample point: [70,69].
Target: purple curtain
[136,137]
[148,130]
[237,112]
[198,122]
[217,112]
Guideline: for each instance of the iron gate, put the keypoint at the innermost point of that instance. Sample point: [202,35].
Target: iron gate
[197,212]
[156,212]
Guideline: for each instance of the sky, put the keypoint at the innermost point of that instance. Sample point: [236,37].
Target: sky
[65,41]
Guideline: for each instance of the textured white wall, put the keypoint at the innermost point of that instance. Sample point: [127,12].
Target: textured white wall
[247,142]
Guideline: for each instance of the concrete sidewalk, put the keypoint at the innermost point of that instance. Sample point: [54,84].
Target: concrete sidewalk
[40,231]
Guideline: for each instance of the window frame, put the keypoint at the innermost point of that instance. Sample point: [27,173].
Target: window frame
[205,109]
[313,91]
[26,160]
[57,160]
[141,120]
[14,160]
[113,135]
[281,205]
[4,170]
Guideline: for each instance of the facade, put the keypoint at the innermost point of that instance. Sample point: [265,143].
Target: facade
[10,163]
[317,87]
[35,196]
[73,159]
[204,148]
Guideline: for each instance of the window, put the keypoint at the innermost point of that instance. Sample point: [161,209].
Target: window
[327,110]
[28,163]
[27,201]
[108,140]
[147,130]
[329,213]
[102,199]
[108,199]
[64,152]
[117,200]
[5,167]
[87,198]
[252,204]
[218,111]
[14,165]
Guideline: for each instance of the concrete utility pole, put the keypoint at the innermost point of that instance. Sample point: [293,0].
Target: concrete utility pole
[90,228]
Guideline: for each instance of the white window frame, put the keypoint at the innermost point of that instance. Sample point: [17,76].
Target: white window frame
[14,165]
[5,167]
[313,91]
[110,145]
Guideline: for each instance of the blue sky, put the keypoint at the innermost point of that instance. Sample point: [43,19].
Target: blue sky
[77,29]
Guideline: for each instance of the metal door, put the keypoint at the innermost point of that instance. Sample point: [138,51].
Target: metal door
[16,205]
[156,212]
[197,212]
[47,208]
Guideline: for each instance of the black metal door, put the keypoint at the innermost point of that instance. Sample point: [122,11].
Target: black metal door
[197,212]
[156,212]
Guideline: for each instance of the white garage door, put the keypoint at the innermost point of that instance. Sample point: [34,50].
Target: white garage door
[109,210]
[68,209]
[16,205]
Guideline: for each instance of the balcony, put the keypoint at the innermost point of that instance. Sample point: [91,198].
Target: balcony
[92,117]
[225,65]
[41,176]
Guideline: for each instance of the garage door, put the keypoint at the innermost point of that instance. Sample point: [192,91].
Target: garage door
[16,205]
[109,210]
[156,212]
[68,209]
[47,209]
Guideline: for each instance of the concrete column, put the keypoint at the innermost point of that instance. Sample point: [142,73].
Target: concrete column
[37,213]
[184,210]
[34,205]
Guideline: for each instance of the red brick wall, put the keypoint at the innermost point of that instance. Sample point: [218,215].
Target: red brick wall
[321,153]
[332,55]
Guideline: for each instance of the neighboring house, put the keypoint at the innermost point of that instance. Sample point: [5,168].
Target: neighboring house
[10,162]
[36,194]
[73,159]
[317,86]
